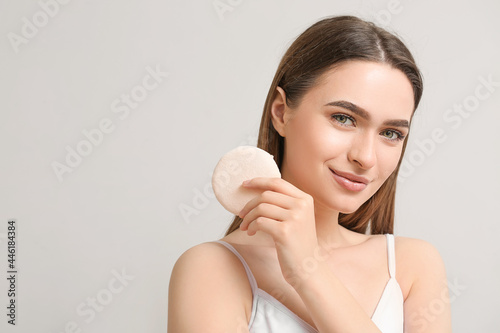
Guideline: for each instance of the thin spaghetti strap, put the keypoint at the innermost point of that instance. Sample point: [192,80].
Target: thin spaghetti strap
[391,255]
[251,278]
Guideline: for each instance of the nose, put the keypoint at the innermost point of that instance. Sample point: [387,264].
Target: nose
[362,151]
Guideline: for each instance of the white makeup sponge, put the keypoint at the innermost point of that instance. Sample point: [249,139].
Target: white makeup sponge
[236,166]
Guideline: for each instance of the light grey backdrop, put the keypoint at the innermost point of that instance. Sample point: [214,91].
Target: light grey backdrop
[113,115]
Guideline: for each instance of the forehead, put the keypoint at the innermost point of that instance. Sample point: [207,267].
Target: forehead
[382,90]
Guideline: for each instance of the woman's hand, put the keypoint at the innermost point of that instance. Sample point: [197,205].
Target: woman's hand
[286,214]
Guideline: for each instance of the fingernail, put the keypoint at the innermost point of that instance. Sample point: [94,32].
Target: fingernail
[246,182]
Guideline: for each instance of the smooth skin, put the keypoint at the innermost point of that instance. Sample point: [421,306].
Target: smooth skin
[353,121]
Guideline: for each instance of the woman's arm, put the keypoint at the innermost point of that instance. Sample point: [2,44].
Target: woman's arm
[331,306]
[287,214]
[427,307]
[209,292]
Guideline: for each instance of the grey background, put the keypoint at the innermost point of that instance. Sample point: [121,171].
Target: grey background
[119,210]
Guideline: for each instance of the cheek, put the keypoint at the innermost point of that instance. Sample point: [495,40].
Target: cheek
[318,141]
[388,161]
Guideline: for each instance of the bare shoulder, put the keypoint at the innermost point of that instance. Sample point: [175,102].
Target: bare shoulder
[210,257]
[208,283]
[208,265]
[417,261]
[417,251]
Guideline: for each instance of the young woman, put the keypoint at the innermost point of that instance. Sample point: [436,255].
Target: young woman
[315,251]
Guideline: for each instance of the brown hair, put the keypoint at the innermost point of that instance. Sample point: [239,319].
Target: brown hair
[322,46]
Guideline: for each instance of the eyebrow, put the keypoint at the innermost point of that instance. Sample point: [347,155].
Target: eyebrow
[364,114]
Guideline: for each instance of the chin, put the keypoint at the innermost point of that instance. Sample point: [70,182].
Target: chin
[349,211]
[346,207]
[343,211]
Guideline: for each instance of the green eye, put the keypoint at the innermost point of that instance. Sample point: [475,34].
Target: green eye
[343,119]
[389,134]
[393,135]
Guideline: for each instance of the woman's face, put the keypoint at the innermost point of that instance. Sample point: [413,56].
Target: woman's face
[345,138]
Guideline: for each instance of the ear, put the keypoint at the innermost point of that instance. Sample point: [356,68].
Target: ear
[279,110]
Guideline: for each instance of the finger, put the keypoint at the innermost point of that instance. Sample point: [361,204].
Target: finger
[270,197]
[264,210]
[264,224]
[274,184]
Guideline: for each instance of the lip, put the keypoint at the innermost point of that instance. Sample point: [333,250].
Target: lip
[349,181]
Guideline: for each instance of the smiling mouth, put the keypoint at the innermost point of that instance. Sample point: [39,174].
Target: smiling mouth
[350,182]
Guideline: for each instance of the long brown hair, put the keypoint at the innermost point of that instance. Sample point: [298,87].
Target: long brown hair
[322,46]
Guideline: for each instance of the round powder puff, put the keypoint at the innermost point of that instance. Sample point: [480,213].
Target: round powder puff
[236,166]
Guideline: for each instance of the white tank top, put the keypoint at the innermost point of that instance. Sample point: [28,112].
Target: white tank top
[270,316]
